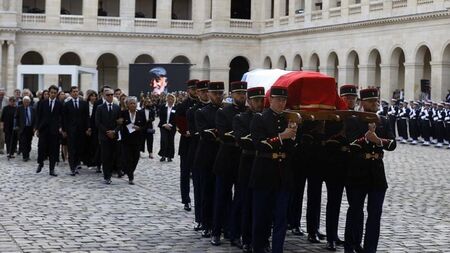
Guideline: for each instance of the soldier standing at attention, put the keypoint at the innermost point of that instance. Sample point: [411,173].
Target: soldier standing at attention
[271,174]
[366,175]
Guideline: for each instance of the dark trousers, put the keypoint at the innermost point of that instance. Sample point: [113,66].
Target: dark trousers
[314,193]
[354,228]
[208,185]
[335,189]
[196,182]
[426,128]
[269,207]
[91,158]
[75,147]
[148,138]
[108,154]
[131,155]
[26,136]
[11,141]
[246,214]
[413,129]
[392,120]
[440,132]
[402,128]
[227,209]
[447,131]
[296,202]
[48,145]
[185,173]
[167,143]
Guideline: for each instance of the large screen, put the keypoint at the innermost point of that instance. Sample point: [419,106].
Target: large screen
[157,78]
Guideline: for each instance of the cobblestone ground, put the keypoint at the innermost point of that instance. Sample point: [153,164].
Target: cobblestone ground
[39,213]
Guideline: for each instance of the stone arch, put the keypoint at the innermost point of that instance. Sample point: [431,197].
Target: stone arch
[68,58]
[144,58]
[206,68]
[446,71]
[282,63]
[181,59]
[353,67]
[238,66]
[397,63]
[107,66]
[314,62]
[267,63]
[31,58]
[298,62]
[332,66]
[374,64]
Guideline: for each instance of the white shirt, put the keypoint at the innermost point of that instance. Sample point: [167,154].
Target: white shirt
[132,117]
[52,104]
[91,109]
[147,114]
[169,110]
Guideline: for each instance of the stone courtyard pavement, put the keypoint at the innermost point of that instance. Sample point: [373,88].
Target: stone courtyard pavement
[39,213]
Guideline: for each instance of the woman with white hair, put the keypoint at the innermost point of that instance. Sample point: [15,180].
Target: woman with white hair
[133,123]
[168,129]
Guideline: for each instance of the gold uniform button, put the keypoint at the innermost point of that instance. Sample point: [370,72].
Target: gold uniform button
[373,153]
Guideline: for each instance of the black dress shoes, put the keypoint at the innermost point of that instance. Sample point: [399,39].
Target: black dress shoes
[169,159]
[215,240]
[98,170]
[53,174]
[187,207]
[313,238]
[162,159]
[206,233]
[198,227]
[339,242]
[39,169]
[107,181]
[73,173]
[297,231]
[247,248]
[130,182]
[331,246]
[321,235]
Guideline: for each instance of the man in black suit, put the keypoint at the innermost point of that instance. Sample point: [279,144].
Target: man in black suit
[7,119]
[168,129]
[48,128]
[25,120]
[107,122]
[75,116]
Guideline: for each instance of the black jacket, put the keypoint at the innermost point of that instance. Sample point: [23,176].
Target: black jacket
[21,117]
[135,138]
[363,172]
[8,118]
[105,120]
[268,173]
[49,121]
[208,144]
[75,121]
[162,114]
[227,159]
[241,129]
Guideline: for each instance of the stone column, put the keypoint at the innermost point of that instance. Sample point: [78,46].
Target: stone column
[388,81]
[122,78]
[276,11]
[325,8]
[127,13]
[440,80]
[220,74]
[344,8]
[367,75]
[10,68]
[346,74]
[90,12]
[221,14]
[164,13]
[1,65]
[413,74]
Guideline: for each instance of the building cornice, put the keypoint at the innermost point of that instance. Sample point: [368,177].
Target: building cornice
[212,35]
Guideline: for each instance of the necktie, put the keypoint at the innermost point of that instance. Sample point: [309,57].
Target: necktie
[27,117]
[76,104]
[51,105]
[110,107]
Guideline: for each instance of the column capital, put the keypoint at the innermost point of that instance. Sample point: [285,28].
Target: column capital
[10,42]
[367,66]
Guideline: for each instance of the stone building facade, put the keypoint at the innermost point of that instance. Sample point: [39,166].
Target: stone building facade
[391,44]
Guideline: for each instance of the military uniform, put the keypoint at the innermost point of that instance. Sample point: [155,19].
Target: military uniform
[193,144]
[227,206]
[439,118]
[183,148]
[206,153]
[425,124]
[447,124]
[271,177]
[403,115]
[413,123]
[366,177]
[392,115]
[241,129]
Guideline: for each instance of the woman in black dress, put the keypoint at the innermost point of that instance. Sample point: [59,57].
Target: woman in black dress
[168,129]
[7,119]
